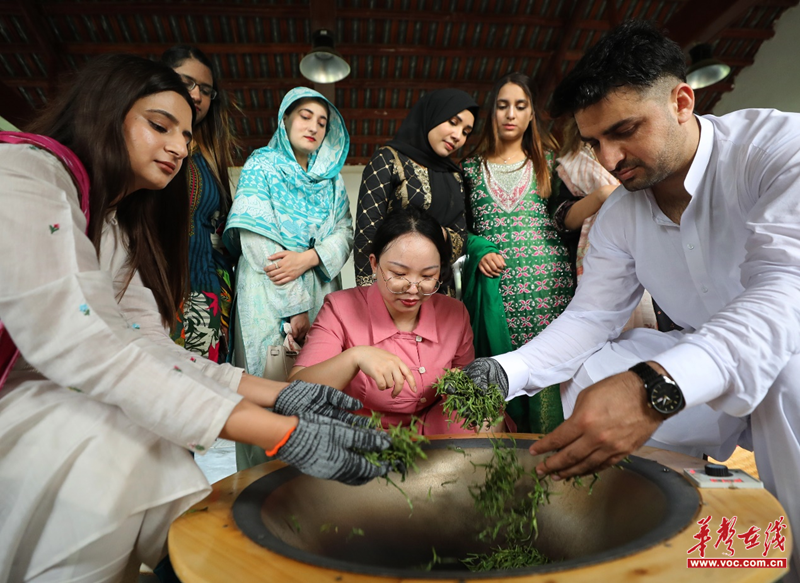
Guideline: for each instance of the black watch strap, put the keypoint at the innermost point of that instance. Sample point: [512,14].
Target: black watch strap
[647,373]
[662,393]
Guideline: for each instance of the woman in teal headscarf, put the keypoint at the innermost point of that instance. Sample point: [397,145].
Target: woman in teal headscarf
[291,228]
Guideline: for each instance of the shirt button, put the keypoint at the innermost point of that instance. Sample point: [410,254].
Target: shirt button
[690,246]
[705,289]
[423,400]
[419,338]
[422,370]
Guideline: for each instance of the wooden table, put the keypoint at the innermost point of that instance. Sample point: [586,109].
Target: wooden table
[206,546]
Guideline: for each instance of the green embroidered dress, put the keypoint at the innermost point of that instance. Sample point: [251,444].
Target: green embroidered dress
[503,206]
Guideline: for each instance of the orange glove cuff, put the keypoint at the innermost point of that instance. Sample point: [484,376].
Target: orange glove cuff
[274,451]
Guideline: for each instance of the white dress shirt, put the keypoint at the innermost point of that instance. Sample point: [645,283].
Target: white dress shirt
[729,273]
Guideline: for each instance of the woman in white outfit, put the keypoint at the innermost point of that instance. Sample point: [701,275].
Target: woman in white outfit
[98,408]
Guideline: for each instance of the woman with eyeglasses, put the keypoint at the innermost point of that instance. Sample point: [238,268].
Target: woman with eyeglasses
[202,322]
[387,343]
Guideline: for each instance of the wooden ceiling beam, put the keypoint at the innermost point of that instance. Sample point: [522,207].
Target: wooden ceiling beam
[42,34]
[288,83]
[700,22]
[748,33]
[347,113]
[224,9]
[280,84]
[612,13]
[323,16]
[14,107]
[280,11]
[256,142]
[551,76]
[89,49]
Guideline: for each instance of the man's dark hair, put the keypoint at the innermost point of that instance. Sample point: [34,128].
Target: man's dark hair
[635,54]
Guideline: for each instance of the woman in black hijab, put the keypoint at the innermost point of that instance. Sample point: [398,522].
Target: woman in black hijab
[415,169]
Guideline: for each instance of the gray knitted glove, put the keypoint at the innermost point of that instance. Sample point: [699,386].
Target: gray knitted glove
[325,448]
[487,371]
[302,397]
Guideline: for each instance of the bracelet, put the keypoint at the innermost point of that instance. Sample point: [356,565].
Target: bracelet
[274,451]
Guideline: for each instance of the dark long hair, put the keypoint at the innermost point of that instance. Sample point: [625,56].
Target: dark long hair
[412,220]
[536,141]
[213,134]
[88,118]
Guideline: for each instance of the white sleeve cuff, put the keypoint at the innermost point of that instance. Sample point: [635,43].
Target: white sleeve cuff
[517,372]
[696,373]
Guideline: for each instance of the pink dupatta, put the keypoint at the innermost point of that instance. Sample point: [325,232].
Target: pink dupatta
[8,350]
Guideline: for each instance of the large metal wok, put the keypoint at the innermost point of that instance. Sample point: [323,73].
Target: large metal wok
[371,529]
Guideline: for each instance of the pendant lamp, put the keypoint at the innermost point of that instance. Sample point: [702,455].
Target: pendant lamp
[705,69]
[323,64]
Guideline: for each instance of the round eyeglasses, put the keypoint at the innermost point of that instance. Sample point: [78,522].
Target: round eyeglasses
[206,90]
[400,285]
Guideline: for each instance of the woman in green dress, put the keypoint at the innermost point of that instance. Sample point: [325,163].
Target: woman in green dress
[515,209]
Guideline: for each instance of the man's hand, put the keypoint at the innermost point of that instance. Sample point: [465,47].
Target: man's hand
[611,419]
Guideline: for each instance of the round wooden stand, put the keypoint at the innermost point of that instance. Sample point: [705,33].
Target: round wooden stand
[206,546]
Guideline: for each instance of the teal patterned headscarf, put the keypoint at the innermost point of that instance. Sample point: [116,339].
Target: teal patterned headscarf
[279,200]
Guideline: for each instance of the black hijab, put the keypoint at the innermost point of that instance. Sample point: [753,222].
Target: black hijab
[436,107]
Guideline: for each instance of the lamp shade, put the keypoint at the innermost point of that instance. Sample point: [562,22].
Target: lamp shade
[705,69]
[323,64]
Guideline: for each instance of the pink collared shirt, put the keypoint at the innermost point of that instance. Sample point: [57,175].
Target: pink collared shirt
[441,340]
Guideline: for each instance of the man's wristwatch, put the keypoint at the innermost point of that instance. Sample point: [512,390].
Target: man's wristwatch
[663,394]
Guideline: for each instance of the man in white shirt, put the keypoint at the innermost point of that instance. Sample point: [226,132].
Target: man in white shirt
[709,222]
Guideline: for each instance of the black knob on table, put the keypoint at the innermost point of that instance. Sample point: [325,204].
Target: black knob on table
[717,470]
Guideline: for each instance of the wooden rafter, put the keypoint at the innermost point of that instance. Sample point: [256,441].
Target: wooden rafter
[323,16]
[13,107]
[398,51]
[45,43]
[699,22]
[233,48]
[552,74]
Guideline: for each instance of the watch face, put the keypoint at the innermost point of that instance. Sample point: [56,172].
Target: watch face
[666,398]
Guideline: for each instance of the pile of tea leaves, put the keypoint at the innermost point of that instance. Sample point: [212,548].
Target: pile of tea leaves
[509,556]
[512,519]
[468,401]
[511,516]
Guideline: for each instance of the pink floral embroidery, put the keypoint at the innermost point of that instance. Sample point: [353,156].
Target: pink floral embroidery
[54,227]
[508,201]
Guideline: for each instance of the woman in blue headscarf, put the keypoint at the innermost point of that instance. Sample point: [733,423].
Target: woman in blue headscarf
[290,226]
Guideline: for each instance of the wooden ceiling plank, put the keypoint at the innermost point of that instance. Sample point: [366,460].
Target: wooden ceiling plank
[447,16]
[220,9]
[699,22]
[552,73]
[748,33]
[14,107]
[323,16]
[282,49]
[40,30]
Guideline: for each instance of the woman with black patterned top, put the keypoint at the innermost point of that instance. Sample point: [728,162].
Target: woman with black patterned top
[415,169]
